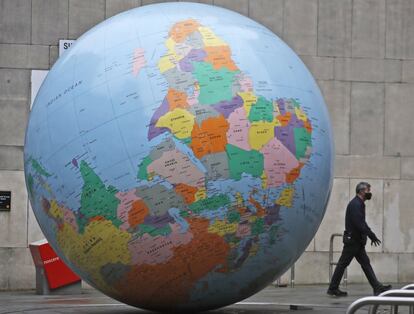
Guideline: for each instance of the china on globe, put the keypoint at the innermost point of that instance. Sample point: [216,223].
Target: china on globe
[179,157]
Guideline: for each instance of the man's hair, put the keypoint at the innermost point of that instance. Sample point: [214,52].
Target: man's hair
[362,186]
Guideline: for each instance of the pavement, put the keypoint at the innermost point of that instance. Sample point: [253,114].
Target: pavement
[302,299]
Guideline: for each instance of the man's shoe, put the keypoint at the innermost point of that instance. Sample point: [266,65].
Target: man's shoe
[336,293]
[382,289]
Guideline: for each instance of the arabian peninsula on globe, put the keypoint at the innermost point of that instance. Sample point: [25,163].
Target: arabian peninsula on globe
[179,157]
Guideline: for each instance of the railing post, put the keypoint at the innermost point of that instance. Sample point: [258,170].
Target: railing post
[346,277]
[292,278]
[331,262]
[331,256]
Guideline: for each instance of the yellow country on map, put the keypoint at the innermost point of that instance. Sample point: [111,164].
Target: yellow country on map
[260,133]
[179,121]
[222,228]
[209,38]
[300,114]
[248,100]
[286,197]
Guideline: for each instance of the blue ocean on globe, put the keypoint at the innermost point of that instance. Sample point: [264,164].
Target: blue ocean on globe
[179,157]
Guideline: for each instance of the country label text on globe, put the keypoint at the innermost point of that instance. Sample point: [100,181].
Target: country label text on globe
[179,156]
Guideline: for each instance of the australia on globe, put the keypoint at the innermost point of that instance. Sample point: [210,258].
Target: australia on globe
[179,157]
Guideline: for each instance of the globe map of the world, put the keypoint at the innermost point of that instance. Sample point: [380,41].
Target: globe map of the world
[179,156]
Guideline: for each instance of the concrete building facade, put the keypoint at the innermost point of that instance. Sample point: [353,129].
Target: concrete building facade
[361,52]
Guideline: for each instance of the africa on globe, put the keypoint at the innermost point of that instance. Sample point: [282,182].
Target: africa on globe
[179,157]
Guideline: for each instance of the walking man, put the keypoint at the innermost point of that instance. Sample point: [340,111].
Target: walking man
[355,238]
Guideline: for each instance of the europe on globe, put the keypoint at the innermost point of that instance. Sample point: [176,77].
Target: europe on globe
[179,157]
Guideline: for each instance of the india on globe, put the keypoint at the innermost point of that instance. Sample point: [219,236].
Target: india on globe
[179,157]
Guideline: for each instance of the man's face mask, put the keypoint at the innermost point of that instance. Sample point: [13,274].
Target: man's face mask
[368,195]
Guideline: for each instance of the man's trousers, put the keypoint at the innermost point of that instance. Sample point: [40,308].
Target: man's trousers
[350,251]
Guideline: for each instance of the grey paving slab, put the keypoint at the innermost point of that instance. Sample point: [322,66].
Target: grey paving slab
[15,21]
[398,216]
[399,42]
[322,68]
[14,84]
[24,274]
[300,25]
[334,28]
[364,167]
[241,6]
[407,168]
[306,261]
[304,299]
[83,15]
[368,28]
[337,97]
[269,13]
[114,7]
[408,71]
[12,132]
[46,13]
[405,262]
[24,56]
[368,70]
[398,125]
[11,157]
[367,116]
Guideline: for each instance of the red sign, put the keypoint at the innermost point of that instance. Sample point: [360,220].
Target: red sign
[57,273]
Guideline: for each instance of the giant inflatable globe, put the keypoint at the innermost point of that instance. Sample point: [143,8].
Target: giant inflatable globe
[179,157]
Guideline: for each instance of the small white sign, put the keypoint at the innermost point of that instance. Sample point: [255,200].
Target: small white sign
[64,44]
[37,79]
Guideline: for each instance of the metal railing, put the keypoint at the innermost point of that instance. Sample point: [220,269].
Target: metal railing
[405,301]
[408,287]
[394,293]
[331,261]
[394,298]
[292,278]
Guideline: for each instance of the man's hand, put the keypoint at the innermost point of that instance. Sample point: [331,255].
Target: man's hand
[374,240]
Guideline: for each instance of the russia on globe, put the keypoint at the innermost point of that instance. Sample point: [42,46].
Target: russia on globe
[179,157]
